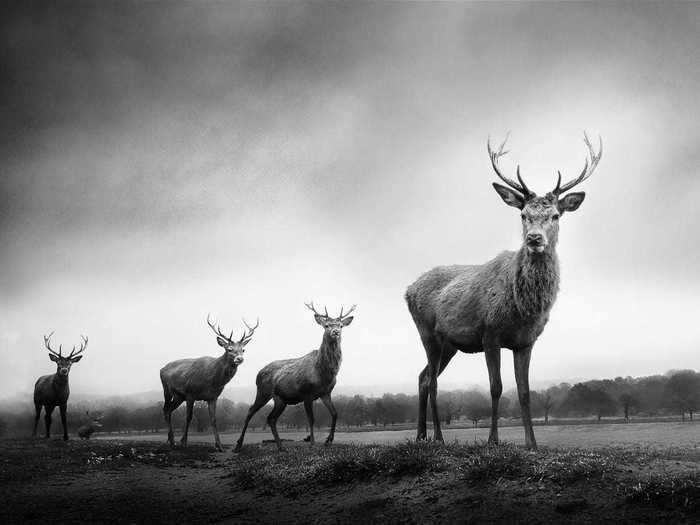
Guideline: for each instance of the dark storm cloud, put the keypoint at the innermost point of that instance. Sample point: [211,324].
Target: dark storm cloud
[147,144]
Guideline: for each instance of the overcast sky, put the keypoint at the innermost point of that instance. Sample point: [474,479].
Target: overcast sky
[160,162]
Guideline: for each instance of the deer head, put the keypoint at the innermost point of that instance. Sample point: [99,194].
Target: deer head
[63,363]
[540,215]
[233,349]
[333,326]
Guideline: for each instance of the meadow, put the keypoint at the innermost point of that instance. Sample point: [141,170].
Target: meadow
[625,473]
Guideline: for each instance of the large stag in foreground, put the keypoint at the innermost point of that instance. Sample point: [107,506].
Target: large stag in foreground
[304,379]
[202,379]
[504,303]
[52,390]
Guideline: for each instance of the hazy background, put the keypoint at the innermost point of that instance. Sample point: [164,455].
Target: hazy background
[162,161]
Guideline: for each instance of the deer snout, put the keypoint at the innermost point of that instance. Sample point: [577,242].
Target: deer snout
[335,332]
[63,371]
[238,360]
[535,238]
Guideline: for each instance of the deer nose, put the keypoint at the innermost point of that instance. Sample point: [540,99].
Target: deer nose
[535,238]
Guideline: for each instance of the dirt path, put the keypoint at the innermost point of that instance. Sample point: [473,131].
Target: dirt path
[128,482]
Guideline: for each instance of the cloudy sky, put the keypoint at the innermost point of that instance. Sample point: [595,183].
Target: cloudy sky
[163,161]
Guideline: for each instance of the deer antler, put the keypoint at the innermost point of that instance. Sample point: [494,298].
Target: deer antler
[352,309]
[247,335]
[310,306]
[217,330]
[83,346]
[588,168]
[47,344]
[494,156]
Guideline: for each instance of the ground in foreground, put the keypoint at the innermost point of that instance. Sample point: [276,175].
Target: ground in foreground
[121,481]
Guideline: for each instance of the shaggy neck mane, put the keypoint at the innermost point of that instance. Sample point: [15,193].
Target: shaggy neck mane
[536,282]
[329,356]
[59,380]
[225,371]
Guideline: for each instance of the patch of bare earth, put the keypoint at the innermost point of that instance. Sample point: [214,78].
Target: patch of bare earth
[120,481]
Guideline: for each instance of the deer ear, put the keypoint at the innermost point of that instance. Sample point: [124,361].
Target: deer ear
[53,358]
[347,320]
[76,359]
[320,319]
[571,201]
[510,197]
[221,341]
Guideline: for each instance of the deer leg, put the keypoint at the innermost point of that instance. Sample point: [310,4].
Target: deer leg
[432,351]
[212,420]
[63,408]
[168,408]
[188,420]
[48,410]
[309,407]
[433,370]
[37,408]
[261,400]
[493,363]
[272,419]
[521,364]
[334,417]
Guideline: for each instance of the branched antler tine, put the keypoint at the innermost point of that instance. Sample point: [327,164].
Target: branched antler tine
[251,331]
[217,329]
[494,156]
[352,309]
[311,307]
[47,344]
[526,190]
[588,167]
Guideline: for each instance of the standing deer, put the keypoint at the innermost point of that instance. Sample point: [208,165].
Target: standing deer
[94,422]
[52,390]
[202,379]
[503,303]
[303,379]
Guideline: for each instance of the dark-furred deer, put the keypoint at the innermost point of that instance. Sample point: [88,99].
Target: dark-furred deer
[52,390]
[202,379]
[503,303]
[304,379]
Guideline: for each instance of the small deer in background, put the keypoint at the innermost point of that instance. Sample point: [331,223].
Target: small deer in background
[93,424]
[52,390]
[202,379]
[503,303]
[304,379]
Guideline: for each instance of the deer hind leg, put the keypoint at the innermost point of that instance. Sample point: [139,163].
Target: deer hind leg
[309,407]
[37,408]
[63,409]
[432,351]
[212,420]
[493,363]
[188,420]
[277,410]
[261,400]
[521,364]
[48,410]
[334,417]
[169,407]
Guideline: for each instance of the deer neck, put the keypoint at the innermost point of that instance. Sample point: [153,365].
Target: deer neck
[536,281]
[224,371]
[60,381]
[329,356]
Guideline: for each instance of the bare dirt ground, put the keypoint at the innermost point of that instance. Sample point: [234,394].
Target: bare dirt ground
[110,481]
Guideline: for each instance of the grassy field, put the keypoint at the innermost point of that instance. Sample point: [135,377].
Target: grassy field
[136,481]
[662,434]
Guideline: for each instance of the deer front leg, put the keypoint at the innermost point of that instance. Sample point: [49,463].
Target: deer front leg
[36,418]
[188,420]
[493,363]
[48,410]
[212,420]
[277,410]
[309,407]
[521,364]
[423,384]
[63,408]
[334,417]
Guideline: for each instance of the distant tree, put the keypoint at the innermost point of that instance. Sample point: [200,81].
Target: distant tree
[583,400]
[683,392]
[476,407]
[628,401]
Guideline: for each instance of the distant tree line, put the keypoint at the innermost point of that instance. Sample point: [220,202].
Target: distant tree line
[676,393]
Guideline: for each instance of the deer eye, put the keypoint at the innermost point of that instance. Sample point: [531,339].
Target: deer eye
[555,217]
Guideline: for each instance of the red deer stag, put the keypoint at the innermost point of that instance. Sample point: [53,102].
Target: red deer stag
[503,303]
[91,426]
[202,379]
[303,379]
[52,390]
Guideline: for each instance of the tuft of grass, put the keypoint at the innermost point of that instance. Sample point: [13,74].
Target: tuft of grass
[668,492]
